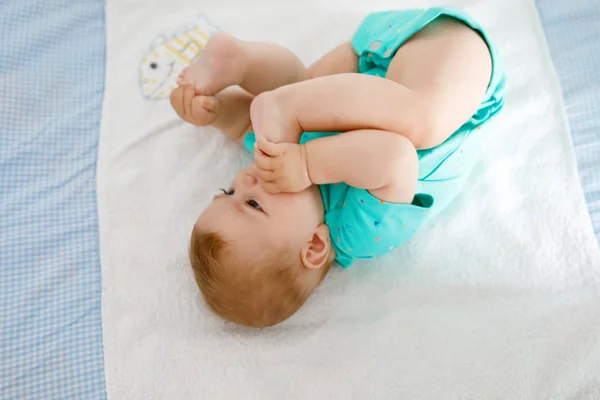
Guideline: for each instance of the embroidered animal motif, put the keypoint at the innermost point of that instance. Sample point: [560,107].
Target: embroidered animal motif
[167,56]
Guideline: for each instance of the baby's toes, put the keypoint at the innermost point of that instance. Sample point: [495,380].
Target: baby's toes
[181,75]
[183,71]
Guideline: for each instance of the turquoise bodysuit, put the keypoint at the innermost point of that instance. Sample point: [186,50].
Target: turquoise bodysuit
[363,226]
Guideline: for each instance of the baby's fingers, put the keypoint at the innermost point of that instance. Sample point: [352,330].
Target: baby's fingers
[265,162]
[271,187]
[262,174]
[188,95]
[269,148]
[209,103]
[176,99]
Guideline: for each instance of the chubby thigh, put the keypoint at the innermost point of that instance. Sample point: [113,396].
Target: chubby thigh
[438,55]
[449,65]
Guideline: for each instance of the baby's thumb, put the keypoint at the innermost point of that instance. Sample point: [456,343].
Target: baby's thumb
[270,149]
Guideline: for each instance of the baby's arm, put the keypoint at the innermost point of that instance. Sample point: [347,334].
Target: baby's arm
[382,162]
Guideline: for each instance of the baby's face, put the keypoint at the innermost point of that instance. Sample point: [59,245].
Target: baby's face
[255,220]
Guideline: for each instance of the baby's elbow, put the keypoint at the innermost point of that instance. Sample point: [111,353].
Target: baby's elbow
[401,156]
[399,181]
[426,128]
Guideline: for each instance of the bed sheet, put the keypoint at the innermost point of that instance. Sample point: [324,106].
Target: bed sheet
[52,76]
[477,303]
[52,61]
[573,35]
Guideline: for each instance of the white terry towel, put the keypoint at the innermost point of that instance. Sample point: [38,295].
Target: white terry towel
[497,299]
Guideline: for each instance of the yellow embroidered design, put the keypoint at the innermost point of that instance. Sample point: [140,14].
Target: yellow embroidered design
[169,55]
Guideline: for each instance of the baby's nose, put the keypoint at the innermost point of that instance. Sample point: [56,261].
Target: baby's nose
[249,179]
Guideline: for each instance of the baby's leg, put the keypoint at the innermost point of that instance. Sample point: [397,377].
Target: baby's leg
[435,83]
[256,67]
[340,60]
[201,98]
[228,111]
[341,102]
[448,64]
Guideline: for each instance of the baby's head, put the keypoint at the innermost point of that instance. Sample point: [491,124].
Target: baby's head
[258,256]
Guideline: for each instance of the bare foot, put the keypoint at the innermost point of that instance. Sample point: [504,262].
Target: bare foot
[181,75]
[221,64]
[273,121]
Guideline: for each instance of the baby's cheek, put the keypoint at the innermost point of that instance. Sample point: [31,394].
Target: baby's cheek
[306,214]
[292,228]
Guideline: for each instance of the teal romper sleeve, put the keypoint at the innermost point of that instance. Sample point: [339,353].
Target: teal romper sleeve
[361,226]
[364,227]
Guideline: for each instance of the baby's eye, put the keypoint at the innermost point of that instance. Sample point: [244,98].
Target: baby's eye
[228,192]
[254,204]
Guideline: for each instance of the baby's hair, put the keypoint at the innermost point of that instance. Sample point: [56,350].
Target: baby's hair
[262,293]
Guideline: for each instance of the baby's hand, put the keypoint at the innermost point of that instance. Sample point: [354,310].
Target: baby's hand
[197,110]
[280,167]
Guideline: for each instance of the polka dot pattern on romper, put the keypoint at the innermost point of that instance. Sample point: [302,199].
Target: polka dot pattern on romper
[375,46]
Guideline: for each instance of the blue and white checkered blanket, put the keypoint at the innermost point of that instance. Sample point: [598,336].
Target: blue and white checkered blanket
[51,80]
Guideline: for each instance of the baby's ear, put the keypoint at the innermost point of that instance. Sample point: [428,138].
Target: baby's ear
[316,252]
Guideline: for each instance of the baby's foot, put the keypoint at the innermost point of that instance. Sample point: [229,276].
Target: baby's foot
[221,64]
[181,75]
[272,120]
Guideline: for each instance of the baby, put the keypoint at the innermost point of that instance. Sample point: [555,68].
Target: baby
[351,156]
